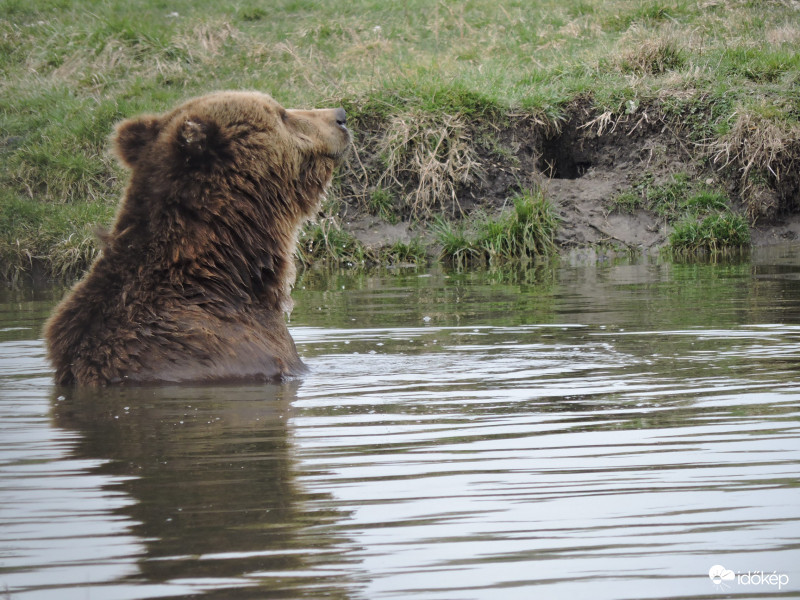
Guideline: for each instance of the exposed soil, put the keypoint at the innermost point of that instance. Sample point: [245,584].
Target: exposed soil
[785,231]
[581,167]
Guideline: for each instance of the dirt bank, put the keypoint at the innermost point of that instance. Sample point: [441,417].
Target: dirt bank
[583,163]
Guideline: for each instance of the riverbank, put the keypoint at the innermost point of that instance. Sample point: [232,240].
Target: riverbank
[632,126]
[638,180]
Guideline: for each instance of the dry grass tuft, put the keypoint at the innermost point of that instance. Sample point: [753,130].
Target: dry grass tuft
[756,142]
[652,56]
[784,34]
[206,40]
[73,254]
[606,122]
[434,155]
[760,148]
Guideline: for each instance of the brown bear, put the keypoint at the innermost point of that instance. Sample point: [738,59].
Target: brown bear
[195,275]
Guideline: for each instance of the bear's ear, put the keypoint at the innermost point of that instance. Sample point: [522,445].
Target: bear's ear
[197,137]
[133,136]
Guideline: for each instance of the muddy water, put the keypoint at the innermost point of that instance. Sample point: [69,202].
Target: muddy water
[592,430]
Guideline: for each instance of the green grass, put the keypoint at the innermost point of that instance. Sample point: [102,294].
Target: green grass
[64,240]
[670,199]
[457,246]
[712,234]
[706,200]
[701,217]
[526,231]
[665,199]
[404,254]
[325,240]
[727,72]
[381,204]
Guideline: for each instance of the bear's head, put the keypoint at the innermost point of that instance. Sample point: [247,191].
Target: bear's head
[228,146]
[219,188]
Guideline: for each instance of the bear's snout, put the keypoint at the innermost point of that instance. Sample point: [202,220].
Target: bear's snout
[325,121]
[328,126]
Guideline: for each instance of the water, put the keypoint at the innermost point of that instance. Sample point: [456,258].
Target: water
[608,430]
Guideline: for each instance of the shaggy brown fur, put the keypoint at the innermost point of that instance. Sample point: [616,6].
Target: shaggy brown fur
[195,277]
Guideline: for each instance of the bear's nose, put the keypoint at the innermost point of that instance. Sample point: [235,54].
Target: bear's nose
[341,117]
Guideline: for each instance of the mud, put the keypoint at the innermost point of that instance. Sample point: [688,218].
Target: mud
[582,165]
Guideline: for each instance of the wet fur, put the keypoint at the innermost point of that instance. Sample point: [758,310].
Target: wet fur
[195,275]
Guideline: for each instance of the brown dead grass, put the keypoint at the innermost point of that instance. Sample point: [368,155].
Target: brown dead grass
[755,142]
[644,52]
[206,40]
[435,154]
[760,149]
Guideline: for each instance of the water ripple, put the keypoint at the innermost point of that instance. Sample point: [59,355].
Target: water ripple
[611,436]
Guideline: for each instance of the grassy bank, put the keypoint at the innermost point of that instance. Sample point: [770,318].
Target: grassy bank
[438,94]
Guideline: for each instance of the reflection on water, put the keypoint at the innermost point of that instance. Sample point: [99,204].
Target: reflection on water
[578,431]
[211,475]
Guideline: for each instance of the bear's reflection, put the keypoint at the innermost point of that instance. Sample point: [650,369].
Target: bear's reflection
[211,471]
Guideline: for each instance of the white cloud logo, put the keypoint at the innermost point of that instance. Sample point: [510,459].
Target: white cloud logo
[718,574]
